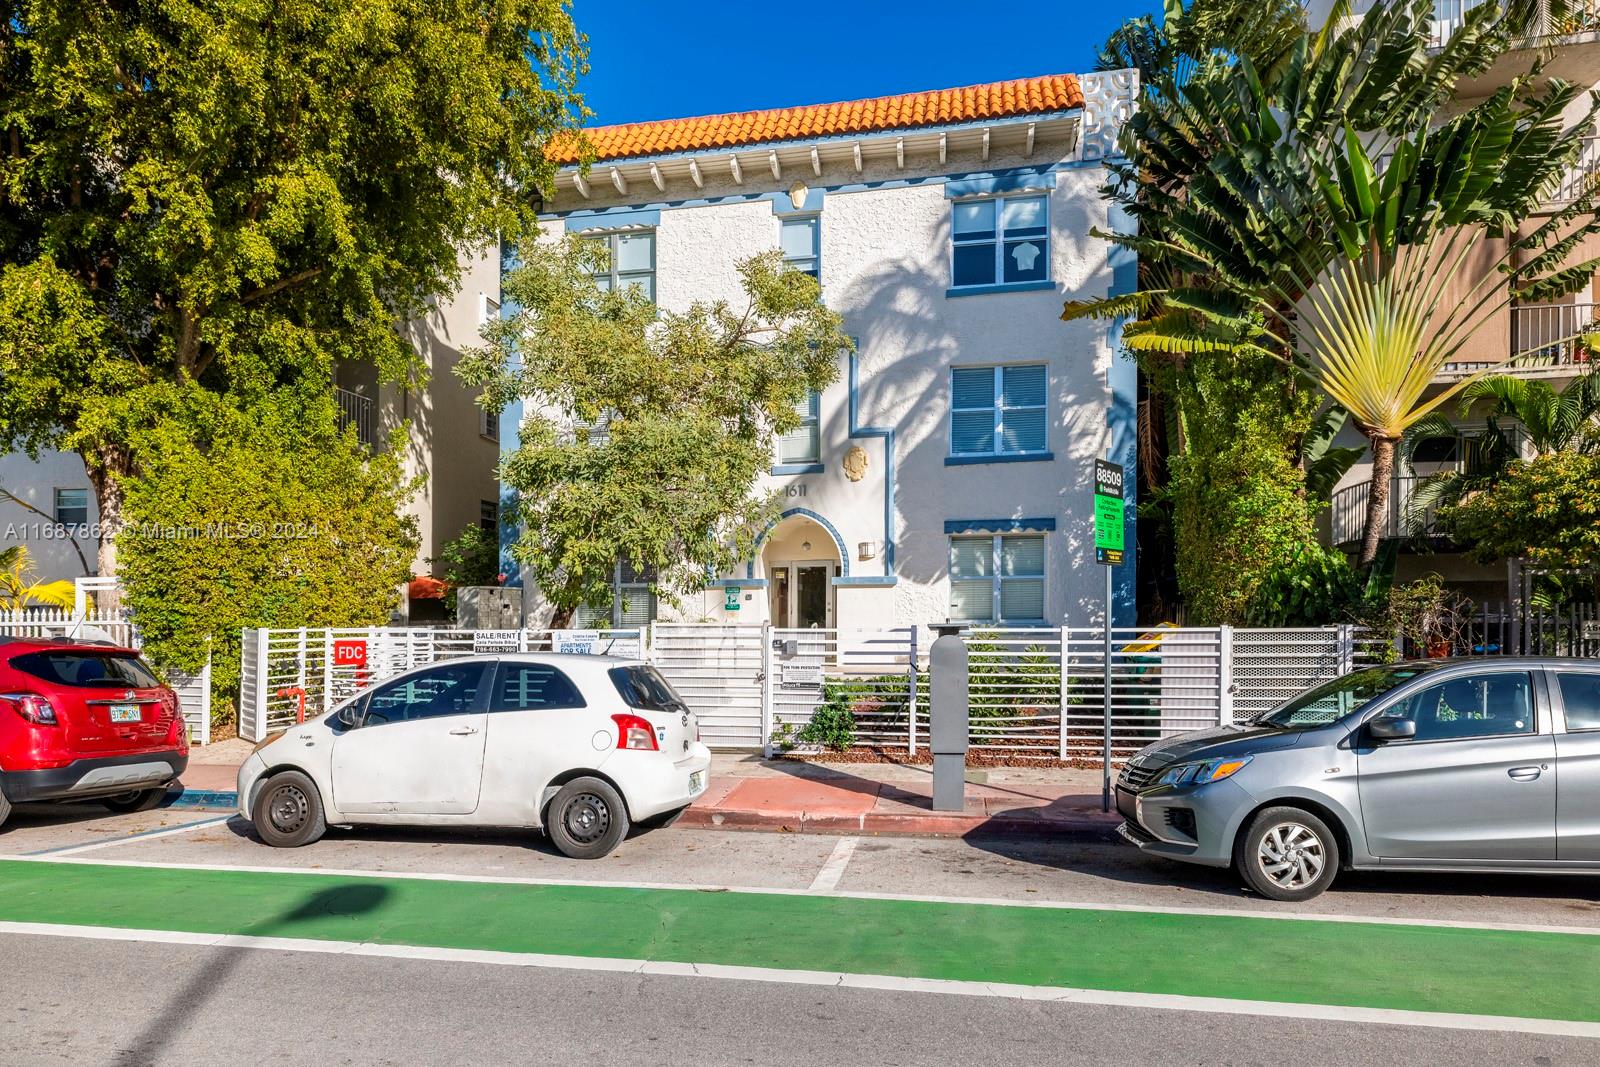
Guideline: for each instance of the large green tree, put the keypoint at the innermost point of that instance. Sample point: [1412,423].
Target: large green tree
[646,429]
[230,195]
[266,518]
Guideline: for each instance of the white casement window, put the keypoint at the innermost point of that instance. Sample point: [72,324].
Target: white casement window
[1000,240]
[997,578]
[632,604]
[803,444]
[801,240]
[998,410]
[488,424]
[72,508]
[632,261]
[488,309]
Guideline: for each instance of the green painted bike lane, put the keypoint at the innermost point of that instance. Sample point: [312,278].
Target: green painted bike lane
[1416,968]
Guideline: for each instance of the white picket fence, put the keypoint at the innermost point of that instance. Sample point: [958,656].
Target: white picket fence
[95,624]
[1033,693]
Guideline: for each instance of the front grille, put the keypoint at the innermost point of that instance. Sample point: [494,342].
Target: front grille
[1136,778]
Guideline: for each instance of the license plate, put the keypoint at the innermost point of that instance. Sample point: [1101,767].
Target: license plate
[126,713]
[697,781]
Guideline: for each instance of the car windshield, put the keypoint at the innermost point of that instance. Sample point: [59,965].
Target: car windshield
[644,687]
[1332,701]
[88,669]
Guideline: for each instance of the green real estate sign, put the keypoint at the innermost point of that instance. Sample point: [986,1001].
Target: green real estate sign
[1108,513]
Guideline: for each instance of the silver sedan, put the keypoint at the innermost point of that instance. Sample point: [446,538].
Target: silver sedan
[1436,766]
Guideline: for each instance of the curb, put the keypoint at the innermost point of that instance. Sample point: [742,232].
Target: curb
[1087,828]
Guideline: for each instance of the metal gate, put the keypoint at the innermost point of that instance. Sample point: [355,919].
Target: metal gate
[719,671]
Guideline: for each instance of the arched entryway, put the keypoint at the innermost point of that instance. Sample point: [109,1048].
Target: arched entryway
[800,557]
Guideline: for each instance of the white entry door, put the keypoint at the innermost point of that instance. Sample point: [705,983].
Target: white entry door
[800,594]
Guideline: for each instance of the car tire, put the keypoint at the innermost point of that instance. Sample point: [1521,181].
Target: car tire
[138,800]
[5,808]
[586,819]
[1287,854]
[288,811]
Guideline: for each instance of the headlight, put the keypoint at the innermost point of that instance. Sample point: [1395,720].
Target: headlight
[1214,770]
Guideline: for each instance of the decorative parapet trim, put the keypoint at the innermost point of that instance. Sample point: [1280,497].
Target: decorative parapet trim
[1109,100]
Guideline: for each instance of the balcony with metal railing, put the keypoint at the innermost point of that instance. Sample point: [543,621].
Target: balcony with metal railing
[1450,15]
[1349,514]
[1546,342]
[358,411]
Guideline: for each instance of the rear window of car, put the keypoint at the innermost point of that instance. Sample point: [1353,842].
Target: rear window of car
[88,669]
[644,687]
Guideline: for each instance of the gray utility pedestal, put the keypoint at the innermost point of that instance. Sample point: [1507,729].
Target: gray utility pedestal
[948,719]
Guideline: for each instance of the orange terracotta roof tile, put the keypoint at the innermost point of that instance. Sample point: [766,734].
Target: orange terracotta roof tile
[971,103]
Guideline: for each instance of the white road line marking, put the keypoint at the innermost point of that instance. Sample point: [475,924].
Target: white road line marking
[1061,994]
[693,887]
[827,879]
[150,835]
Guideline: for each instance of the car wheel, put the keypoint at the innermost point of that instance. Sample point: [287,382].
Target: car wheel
[5,808]
[587,819]
[1287,854]
[138,800]
[288,811]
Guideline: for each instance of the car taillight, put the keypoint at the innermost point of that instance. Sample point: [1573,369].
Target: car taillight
[32,707]
[634,732]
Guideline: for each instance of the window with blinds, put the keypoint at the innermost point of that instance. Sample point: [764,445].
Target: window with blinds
[997,579]
[998,410]
[803,444]
[999,241]
[800,240]
[632,605]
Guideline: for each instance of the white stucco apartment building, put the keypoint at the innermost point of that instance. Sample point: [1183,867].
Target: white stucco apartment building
[946,474]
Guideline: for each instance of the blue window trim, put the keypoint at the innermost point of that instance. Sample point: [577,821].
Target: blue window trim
[1039,179]
[972,459]
[783,204]
[798,468]
[867,580]
[966,526]
[737,583]
[1002,287]
[615,220]
[800,216]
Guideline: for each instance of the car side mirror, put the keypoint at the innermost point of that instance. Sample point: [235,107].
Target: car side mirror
[1392,729]
[349,716]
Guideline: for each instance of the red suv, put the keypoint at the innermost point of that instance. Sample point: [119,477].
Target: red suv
[85,721]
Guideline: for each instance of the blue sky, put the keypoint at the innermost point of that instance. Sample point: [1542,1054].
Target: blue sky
[661,60]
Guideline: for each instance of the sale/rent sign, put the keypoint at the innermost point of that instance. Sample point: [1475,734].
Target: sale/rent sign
[1108,513]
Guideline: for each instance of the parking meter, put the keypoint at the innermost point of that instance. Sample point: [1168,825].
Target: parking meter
[948,719]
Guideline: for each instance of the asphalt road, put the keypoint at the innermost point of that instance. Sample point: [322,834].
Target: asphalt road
[94,1001]
[90,1003]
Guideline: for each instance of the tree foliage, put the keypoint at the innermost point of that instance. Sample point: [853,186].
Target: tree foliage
[230,195]
[273,520]
[19,588]
[1334,207]
[1545,510]
[645,430]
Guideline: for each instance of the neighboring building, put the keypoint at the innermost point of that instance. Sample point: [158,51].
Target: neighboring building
[449,441]
[947,472]
[1531,337]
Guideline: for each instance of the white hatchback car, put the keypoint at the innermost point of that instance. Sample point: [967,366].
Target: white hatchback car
[581,746]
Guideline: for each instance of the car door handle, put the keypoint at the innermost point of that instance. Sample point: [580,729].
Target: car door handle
[463,731]
[1524,774]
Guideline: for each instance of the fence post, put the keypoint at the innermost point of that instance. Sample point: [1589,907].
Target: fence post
[1347,649]
[766,690]
[1061,662]
[1224,675]
[911,701]
[648,636]
[205,702]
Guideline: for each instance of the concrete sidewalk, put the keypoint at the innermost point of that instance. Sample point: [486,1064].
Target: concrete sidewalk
[792,796]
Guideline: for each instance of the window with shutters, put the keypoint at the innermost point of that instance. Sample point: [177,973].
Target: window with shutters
[997,578]
[632,605]
[803,443]
[998,411]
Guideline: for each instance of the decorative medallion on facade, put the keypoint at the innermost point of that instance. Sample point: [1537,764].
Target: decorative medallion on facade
[797,195]
[1109,100]
[855,463]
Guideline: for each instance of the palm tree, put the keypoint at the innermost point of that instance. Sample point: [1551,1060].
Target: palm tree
[1328,229]
[18,589]
[1567,420]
